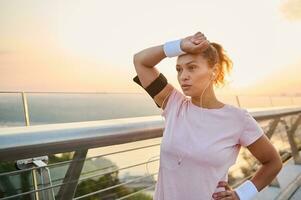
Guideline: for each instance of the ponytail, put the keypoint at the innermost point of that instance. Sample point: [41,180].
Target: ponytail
[216,54]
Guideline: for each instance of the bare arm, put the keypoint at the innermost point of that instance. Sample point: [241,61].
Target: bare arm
[270,159]
[146,60]
[150,57]
[266,153]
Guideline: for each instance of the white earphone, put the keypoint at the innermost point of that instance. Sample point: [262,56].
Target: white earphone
[213,76]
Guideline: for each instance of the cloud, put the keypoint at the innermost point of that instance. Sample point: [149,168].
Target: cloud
[291,10]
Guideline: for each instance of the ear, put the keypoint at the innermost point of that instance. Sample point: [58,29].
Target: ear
[215,68]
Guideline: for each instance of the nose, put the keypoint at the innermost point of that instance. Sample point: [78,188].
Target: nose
[184,76]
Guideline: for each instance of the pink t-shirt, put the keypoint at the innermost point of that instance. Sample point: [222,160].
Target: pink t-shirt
[207,140]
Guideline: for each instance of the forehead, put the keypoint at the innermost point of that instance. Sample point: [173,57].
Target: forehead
[186,59]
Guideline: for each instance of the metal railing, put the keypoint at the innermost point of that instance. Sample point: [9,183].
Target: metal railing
[33,141]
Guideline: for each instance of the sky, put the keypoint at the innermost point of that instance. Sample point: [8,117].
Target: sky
[88,46]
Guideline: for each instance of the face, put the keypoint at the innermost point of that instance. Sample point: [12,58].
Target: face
[193,70]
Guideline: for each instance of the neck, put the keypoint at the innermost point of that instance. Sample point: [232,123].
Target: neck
[209,99]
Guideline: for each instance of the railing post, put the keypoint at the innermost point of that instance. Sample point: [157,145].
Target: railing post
[35,183]
[25,109]
[272,127]
[27,123]
[67,190]
[290,135]
[42,170]
[271,101]
[237,100]
[46,182]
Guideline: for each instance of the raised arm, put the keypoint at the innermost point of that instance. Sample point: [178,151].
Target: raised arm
[145,62]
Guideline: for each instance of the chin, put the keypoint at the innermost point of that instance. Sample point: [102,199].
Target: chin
[187,93]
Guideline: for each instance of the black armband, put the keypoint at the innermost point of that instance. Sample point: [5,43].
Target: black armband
[155,87]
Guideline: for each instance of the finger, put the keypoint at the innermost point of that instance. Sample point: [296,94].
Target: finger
[222,195]
[198,41]
[198,38]
[227,188]
[198,33]
[199,46]
[224,184]
[226,198]
[202,46]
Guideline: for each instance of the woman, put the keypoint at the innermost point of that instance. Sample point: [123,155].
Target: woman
[202,135]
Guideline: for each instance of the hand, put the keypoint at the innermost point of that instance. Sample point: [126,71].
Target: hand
[195,44]
[229,194]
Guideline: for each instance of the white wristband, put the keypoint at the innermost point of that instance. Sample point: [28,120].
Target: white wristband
[173,48]
[246,191]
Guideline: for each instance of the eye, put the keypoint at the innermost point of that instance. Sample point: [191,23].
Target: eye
[191,67]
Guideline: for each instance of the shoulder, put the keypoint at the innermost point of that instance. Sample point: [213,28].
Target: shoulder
[237,111]
[239,115]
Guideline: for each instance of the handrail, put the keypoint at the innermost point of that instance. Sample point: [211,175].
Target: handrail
[70,92]
[39,140]
[22,142]
[32,141]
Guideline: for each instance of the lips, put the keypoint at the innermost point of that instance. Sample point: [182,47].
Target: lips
[185,86]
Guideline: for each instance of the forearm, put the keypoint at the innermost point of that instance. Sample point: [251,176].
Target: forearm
[150,57]
[266,173]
